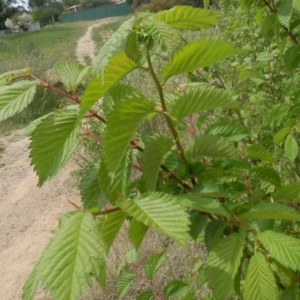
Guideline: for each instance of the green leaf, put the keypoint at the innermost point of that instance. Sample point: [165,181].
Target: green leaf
[265,174]
[156,148]
[109,226]
[117,68]
[164,35]
[8,77]
[131,256]
[136,233]
[71,74]
[153,264]
[283,248]
[271,211]
[212,146]
[292,292]
[121,126]
[208,205]
[291,58]
[198,99]
[31,285]
[160,211]
[291,148]
[285,11]
[281,134]
[259,152]
[175,289]
[53,142]
[132,47]
[287,193]
[188,18]
[223,263]
[213,233]
[296,5]
[260,282]
[198,222]
[124,282]
[229,131]
[146,295]
[33,125]
[91,193]
[198,55]
[111,46]
[14,98]
[72,257]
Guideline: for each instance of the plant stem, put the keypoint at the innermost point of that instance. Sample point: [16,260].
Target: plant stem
[165,113]
[106,211]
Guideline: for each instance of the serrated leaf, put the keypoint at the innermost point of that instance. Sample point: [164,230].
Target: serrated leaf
[7,77]
[72,257]
[121,126]
[198,222]
[32,126]
[292,292]
[291,148]
[265,174]
[229,131]
[156,148]
[109,226]
[211,146]
[132,47]
[14,98]
[285,11]
[282,247]
[146,295]
[131,256]
[198,99]
[296,5]
[291,58]
[153,264]
[124,282]
[117,68]
[164,35]
[257,151]
[160,211]
[136,233]
[188,18]
[287,193]
[202,204]
[223,263]
[198,55]
[271,211]
[175,288]
[111,46]
[71,74]
[53,142]
[281,134]
[91,193]
[31,284]
[259,282]
[213,233]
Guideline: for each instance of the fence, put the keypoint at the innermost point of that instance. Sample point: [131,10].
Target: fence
[5,32]
[105,11]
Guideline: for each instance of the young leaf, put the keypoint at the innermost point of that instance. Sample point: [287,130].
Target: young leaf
[229,131]
[212,146]
[260,282]
[165,36]
[117,68]
[131,256]
[153,264]
[287,193]
[156,149]
[7,77]
[14,98]
[146,295]
[124,282]
[109,226]
[291,148]
[198,55]
[52,143]
[71,74]
[283,248]
[281,135]
[63,267]
[121,126]
[213,233]
[198,99]
[271,211]
[175,289]
[188,18]
[110,47]
[259,152]
[160,211]
[136,233]
[223,263]
[265,174]
[285,11]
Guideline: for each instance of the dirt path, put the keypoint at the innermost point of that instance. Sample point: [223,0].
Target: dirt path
[28,214]
[86,46]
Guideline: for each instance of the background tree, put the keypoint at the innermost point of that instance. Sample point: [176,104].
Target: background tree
[8,8]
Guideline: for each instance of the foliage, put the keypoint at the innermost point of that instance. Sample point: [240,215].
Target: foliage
[223,167]
[19,22]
